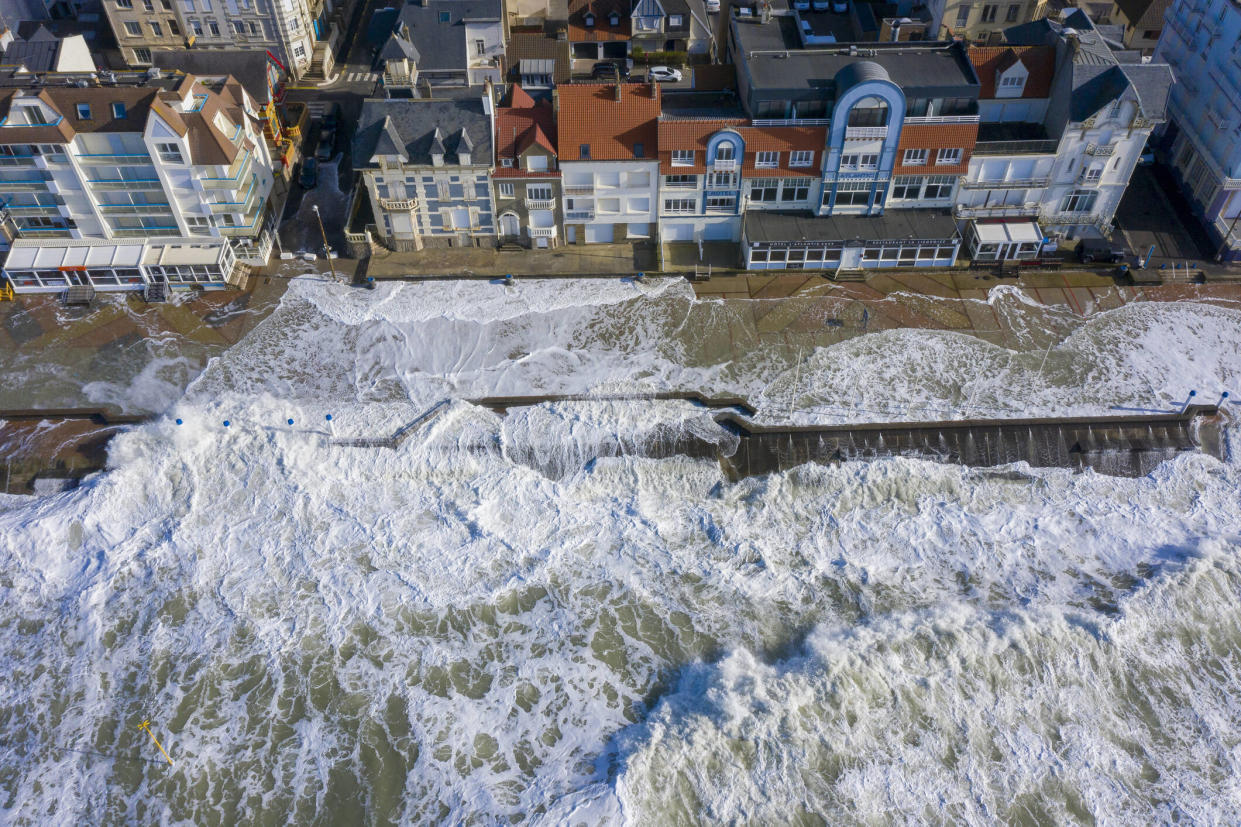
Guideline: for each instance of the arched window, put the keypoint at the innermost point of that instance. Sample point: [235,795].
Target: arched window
[870,111]
[724,152]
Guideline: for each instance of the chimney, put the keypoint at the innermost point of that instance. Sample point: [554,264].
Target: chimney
[616,91]
[562,33]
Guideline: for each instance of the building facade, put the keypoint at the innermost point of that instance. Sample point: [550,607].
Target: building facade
[439,43]
[527,174]
[425,171]
[1202,43]
[1143,22]
[147,180]
[981,22]
[608,136]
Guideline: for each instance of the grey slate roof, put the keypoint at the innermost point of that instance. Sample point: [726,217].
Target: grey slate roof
[38,54]
[441,44]
[398,48]
[248,66]
[776,226]
[416,127]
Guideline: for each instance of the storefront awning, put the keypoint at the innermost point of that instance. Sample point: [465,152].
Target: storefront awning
[1007,231]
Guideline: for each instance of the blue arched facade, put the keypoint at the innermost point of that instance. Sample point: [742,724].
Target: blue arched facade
[855,83]
[715,190]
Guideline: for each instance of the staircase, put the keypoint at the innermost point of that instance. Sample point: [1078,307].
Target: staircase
[78,294]
[156,291]
[321,63]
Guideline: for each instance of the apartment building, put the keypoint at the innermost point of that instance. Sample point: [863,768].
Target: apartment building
[298,33]
[144,181]
[1101,110]
[440,43]
[527,173]
[1143,22]
[609,160]
[982,21]
[425,172]
[671,26]
[1202,43]
[599,30]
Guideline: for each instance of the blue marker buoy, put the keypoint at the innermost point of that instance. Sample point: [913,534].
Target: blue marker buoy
[329,417]
[290,421]
[178,422]
[226,423]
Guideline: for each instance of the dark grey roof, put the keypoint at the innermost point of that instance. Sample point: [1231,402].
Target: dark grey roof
[248,66]
[398,48]
[38,54]
[441,43]
[1152,82]
[389,142]
[768,226]
[418,126]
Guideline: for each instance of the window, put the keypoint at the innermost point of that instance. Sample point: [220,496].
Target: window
[299,51]
[795,190]
[1012,82]
[196,27]
[675,20]
[613,19]
[542,192]
[124,4]
[255,31]
[480,47]
[133,29]
[445,17]
[1079,201]
[866,160]
[169,153]
[157,29]
[1011,15]
[506,162]
[1093,174]
[988,13]
[1152,34]
[239,27]
[83,110]
[801,158]
[682,157]
[906,186]
[722,180]
[854,193]
[173,28]
[189,6]
[963,15]
[721,203]
[724,152]
[938,186]
[947,157]
[639,150]
[34,115]
[118,110]
[678,205]
[584,151]
[142,55]
[915,157]
[215,28]
[681,181]
[506,190]
[767,159]
[764,189]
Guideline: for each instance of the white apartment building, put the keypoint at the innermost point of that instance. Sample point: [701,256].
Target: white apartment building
[145,181]
[608,161]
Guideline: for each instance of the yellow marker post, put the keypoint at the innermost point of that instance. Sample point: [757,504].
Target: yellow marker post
[145,726]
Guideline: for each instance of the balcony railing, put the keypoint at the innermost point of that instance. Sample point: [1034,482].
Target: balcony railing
[579,189]
[865,132]
[1028,209]
[25,185]
[1084,217]
[124,159]
[16,160]
[791,121]
[404,204]
[1044,147]
[724,164]
[233,175]
[46,232]
[540,203]
[114,184]
[542,232]
[580,215]
[938,119]
[1012,183]
[134,209]
[1101,150]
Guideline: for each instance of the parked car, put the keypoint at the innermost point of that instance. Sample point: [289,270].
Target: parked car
[327,146]
[819,5]
[331,118]
[665,73]
[609,69]
[310,174]
[840,6]
[713,6]
[1100,249]
[801,5]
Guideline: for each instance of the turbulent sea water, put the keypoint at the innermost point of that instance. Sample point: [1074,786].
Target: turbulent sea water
[445,633]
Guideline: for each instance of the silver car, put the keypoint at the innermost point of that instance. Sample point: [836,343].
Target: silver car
[665,73]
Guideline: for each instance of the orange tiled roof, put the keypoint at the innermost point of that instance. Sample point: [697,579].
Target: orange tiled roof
[579,32]
[694,134]
[590,114]
[1040,62]
[518,127]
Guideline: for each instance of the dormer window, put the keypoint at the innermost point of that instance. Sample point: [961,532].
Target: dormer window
[675,20]
[118,110]
[613,19]
[83,110]
[437,159]
[444,17]
[589,20]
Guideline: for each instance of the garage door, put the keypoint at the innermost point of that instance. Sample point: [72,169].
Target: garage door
[719,231]
[598,233]
[677,232]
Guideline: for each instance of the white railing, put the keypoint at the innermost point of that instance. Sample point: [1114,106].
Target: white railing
[1014,183]
[540,203]
[937,119]
[865,132]
[724,164]
[542,232]
[790,121]
[1030,208]
[395,204]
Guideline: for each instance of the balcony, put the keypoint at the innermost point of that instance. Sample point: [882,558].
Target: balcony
[1100,150]
[403,204]
[724,165]
[1026,210]
[542,232]
[579,189]
[232,176]
[865,133]
[1011,183]
[114,184]
[16,160]
[26,185]
[136,209]
[1042,147]
[45,232]
[791,121]
[540,203]
[941,119]
[580,215]
[127,159]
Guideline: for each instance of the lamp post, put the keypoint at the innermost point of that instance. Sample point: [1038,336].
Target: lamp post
[327,250]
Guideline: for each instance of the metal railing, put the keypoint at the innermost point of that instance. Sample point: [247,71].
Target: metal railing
[938,119]
[121,158]
[865,132]
[1101,150]
[1012,183]
[112,184]
[1042,147]
[134,209]
[233,175]
[1030,209]
[579,189]
[580,215]
[791,121]
[724,164]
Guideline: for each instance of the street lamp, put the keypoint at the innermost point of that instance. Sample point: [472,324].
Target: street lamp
[326,249]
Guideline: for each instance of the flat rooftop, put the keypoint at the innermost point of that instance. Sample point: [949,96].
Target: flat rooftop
[771,226]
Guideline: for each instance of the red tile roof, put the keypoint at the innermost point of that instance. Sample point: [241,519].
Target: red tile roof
[694,134]
[579,32]
[1040,62]
[590,114]
[520,127]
